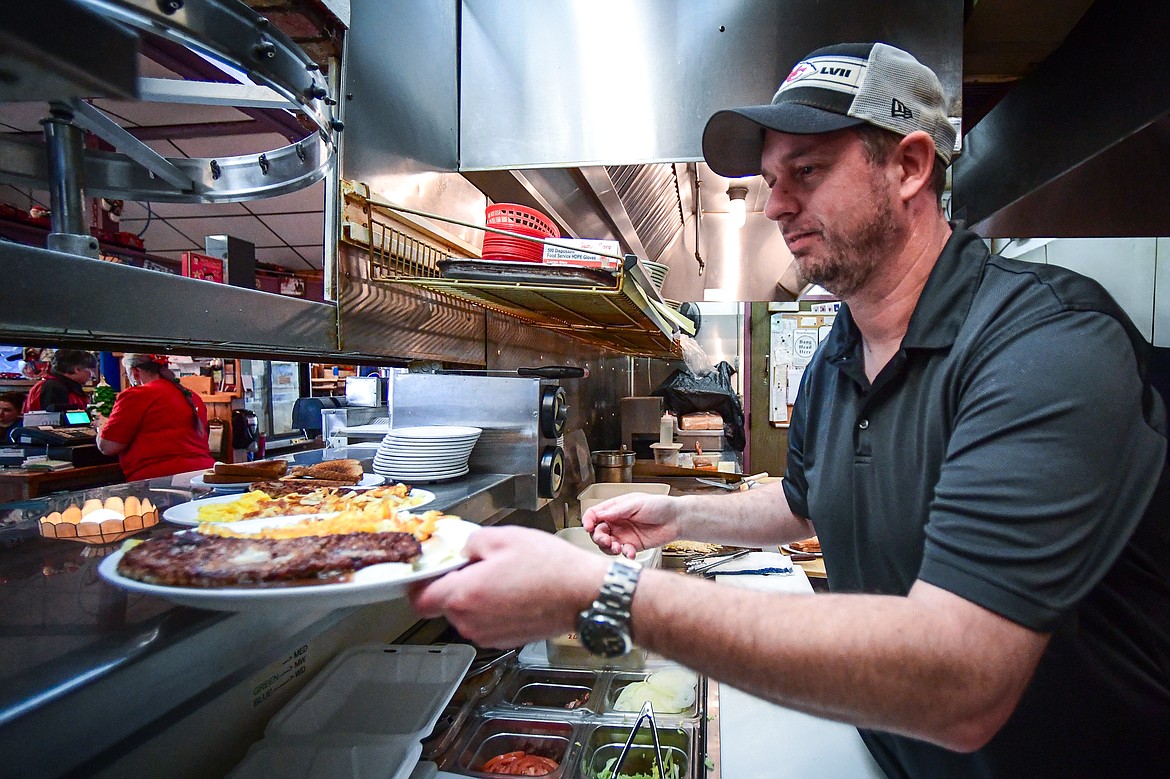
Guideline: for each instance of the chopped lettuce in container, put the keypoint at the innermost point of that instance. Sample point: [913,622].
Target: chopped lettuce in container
[668,765]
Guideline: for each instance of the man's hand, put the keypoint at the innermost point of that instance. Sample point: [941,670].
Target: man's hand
[521,585]
[630,523]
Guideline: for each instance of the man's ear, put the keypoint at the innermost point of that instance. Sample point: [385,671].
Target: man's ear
[917,160]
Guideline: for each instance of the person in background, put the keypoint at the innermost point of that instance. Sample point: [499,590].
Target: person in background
[976,443]
[63,388]
[10,405]
[157,427]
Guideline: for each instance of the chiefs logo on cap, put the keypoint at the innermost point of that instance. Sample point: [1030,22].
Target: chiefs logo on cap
[801,70]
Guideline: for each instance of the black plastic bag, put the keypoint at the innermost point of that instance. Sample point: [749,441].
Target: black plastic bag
[684,392]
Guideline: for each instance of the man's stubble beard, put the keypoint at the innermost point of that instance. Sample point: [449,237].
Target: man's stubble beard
[848,261]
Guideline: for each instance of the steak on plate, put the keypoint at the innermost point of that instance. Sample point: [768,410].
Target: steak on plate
[194,559]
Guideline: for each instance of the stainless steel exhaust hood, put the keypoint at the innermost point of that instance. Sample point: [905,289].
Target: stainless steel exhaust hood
[593,112]
[1081,146]
[596,109]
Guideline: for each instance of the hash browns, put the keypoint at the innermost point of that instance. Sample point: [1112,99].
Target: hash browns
[371,519]
[326,500]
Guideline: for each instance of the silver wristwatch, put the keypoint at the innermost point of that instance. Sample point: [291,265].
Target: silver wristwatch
[604,627]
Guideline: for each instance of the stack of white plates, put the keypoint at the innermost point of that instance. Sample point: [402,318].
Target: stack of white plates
[428,453]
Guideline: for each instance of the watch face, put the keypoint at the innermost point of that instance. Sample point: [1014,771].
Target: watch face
[603,635]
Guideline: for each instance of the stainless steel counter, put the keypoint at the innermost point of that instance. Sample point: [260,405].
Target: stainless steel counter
[88,668]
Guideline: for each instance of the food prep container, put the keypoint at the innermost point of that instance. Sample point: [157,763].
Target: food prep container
[364,715]
[527,711]
[581,748]
[447,728]
[596,493]
[581,538]
[569,694]
[613,465]
[491,735]
[547,692]
[603,743]
[619,681]
[480,681]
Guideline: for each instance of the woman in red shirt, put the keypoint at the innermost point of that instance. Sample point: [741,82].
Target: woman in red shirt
[157,427]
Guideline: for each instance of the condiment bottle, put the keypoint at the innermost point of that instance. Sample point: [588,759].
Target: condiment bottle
[666,429]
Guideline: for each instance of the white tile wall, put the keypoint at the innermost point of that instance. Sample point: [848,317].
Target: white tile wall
[1124,266]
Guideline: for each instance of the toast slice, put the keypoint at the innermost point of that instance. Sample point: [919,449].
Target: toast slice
[312,484]
[260,469]
[348,472]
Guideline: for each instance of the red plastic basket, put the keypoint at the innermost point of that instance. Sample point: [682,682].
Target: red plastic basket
[520,219]
[501,247]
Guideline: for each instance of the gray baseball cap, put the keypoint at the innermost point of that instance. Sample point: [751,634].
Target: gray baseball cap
[833,88]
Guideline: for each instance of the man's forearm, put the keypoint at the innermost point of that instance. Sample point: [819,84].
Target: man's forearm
[883,662]
[758,517]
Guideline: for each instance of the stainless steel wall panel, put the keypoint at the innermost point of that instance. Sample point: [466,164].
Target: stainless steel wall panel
[505,408]
[401,73]
[401,109]
[593,401]
[550,83]
[405,323]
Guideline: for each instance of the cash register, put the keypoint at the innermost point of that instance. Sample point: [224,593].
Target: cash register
[63,435]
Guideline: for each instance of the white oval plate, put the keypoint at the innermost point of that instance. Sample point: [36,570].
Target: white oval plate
[434,432]
[368,480]
[406,474]
[421,450]
[188,513]
[789,550]
[442,553]
[390,463]
[425,478]
[381,466]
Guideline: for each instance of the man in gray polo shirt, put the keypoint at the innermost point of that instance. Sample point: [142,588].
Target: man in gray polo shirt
[976,444]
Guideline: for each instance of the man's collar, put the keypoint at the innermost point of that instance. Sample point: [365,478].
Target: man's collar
[946,299]
[941,308]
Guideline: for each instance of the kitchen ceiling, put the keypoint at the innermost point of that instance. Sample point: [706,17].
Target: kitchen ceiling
[1003,41]
[287,230]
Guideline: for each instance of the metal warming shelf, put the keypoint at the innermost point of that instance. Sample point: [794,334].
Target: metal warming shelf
[619,310]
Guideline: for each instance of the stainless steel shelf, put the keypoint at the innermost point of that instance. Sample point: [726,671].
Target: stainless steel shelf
[618,310]
[53,298]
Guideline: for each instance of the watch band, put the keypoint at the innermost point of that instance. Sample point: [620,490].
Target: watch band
[617,589]
[604,628]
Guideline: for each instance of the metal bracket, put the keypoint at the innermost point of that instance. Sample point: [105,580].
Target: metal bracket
[101,125]
[234,35]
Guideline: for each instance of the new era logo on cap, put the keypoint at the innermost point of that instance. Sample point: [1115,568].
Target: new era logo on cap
[898,110]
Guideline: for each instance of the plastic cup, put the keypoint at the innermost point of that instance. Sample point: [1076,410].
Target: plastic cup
[666,454]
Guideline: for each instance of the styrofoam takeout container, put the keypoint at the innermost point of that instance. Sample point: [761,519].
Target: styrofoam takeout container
[580,537]
[364,715]
[595,493]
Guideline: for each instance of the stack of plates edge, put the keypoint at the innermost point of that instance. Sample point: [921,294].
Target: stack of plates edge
[657,272]
[426,453]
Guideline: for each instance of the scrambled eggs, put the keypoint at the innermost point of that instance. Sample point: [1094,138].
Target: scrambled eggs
[234,510]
